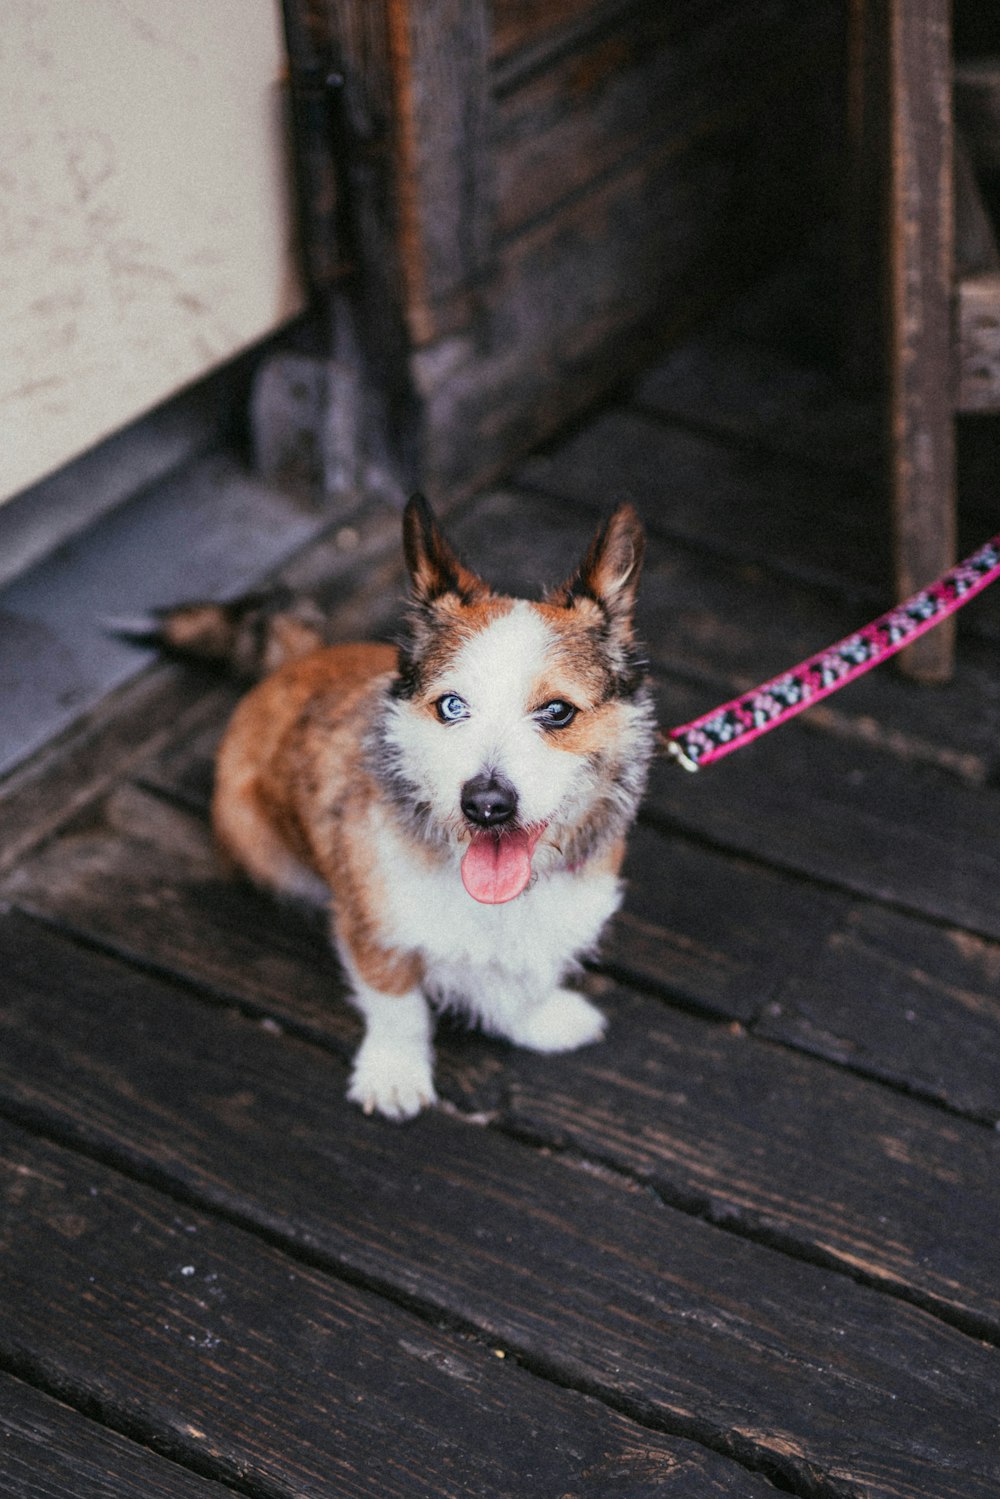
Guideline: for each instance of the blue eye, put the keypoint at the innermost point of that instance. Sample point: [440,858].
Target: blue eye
[451,708]
[556,715]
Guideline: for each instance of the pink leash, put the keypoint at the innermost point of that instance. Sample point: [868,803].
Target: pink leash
[746,717]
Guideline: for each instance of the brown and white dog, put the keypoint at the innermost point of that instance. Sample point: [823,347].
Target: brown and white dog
[461,803]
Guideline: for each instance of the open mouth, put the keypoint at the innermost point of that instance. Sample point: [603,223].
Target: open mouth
[496,866]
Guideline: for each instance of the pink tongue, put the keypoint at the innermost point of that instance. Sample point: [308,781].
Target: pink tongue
[496,867]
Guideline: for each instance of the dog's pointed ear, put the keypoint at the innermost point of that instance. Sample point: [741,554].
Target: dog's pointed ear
[609,573]
[433,566]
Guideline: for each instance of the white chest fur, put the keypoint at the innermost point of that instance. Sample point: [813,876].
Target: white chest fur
[477,955]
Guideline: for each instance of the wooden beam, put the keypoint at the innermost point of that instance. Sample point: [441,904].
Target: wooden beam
[439,56]
[920,270]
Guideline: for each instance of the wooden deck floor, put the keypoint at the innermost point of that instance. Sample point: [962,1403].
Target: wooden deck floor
[748,1245]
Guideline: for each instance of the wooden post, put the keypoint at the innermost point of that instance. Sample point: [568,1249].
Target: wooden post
[921,280]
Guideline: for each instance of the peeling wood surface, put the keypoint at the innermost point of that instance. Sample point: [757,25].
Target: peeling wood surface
[746,1245]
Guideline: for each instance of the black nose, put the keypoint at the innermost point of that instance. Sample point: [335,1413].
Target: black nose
[489,800]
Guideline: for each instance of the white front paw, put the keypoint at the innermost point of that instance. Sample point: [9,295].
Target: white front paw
[395,1081]
[561,1022]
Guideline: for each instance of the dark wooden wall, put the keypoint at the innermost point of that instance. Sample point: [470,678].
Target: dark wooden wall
[532,197]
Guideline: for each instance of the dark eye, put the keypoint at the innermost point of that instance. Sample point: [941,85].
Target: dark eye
[451,708]
[555,715]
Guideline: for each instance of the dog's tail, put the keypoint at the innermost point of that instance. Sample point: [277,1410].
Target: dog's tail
[249,637]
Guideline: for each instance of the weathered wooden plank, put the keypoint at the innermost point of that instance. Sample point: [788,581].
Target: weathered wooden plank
[666,1085]
[744,391]
[187,916]
[584,296]
[443,137]
[62,778]
[820,1380]
[368,316]
[841,812]
[521,24]
[57,659]
[312,66]
[713,932]
[754,508]
[647,75]
[721,934]
[888,995]
[751,507]
[277,1377]
[49,1451]
[710,1119]
[576,301]
[903,245]
[920,226]
[914,1003]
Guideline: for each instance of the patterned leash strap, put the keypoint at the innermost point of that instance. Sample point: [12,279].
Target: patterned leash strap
[746,717]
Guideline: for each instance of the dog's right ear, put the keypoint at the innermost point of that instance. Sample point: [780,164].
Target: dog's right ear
[434,568]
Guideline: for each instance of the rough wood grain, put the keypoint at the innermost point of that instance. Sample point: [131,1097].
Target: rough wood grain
[187,916]
[443,135]
[721,934]
[904,1000]
[841,812]
[644,145]
[521,25]
[585,1279]
[920,224]
[50,1451]
[887,995]
[647,75]
[582,298]
[278,1377]
[713,932]
[745,391]
[821,1161]
[710,1119]
[66,775]
[751,507]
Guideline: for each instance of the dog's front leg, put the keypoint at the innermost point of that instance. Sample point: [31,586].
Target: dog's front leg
[393,1071]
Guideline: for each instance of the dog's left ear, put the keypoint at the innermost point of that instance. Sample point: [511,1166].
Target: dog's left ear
[609,574]
[434,568]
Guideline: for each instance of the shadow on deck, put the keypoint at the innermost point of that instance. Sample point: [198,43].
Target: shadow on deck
[748,1243]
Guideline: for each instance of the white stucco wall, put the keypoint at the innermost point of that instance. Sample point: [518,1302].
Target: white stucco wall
[145,228]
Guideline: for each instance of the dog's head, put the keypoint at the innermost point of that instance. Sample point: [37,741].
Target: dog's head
[519,731]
